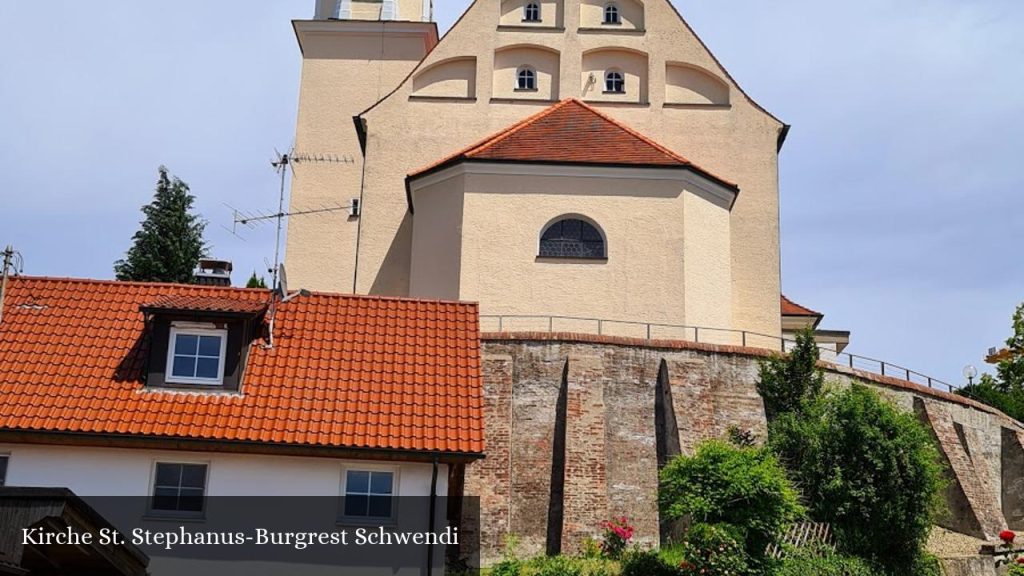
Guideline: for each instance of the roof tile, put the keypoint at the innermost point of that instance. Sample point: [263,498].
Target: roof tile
[70,361]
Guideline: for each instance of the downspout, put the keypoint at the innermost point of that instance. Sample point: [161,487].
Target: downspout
[430,520]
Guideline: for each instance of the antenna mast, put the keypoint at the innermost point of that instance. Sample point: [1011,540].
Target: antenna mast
[281,165]
[8,258]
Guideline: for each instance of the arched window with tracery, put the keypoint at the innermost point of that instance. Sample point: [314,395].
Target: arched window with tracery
[571,237]
[531,12]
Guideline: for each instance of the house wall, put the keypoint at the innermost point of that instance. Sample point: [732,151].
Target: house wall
[488,219]
[612,440]
[125,472]
[736,141]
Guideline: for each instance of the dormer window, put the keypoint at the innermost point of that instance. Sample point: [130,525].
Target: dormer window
[531,12]
[196,355]
[614,82]
[611,14]
[526,79]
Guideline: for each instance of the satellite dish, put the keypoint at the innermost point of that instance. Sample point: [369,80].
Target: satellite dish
[282,281]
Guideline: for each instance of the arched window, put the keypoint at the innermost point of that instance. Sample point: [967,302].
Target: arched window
[614,82]
[572,238]
[611,14]
[526,79]
[531,13]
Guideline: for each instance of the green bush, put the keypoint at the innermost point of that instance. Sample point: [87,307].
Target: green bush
[556,566]
[743,487]
[1009,401]
[807,562]
[714,549]
[870,470]
[647,563]
[1015,569]
[787,383]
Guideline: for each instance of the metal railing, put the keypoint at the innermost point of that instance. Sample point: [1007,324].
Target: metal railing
[701,335]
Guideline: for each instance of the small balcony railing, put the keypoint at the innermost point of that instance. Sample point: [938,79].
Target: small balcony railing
[702,335]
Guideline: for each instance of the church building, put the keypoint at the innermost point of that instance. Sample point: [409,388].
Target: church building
[571,165]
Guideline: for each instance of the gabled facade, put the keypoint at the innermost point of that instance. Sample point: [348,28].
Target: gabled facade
[673,257]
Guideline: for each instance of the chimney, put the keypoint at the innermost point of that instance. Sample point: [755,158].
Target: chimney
[214,272]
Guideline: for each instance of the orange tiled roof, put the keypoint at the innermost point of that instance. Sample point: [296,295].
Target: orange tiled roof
[790,308]
[209,304]
[345,371]
[571,132]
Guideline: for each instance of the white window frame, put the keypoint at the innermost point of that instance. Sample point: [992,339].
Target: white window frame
[611,6]
[195,330]
[526,12]
[533,77]
[158,512]
[622,78]
[369,520]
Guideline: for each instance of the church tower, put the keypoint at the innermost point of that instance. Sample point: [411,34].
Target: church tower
[354,52]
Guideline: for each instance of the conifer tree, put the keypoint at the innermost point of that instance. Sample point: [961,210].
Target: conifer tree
[256,281]
[788,382]
[169,243]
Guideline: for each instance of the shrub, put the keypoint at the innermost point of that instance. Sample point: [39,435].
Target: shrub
[787,383]
[871,471]
[714,549]
[817,562]
[744,487]
[556,566]
[647,563]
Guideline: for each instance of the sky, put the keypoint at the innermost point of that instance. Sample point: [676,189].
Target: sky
[901,184]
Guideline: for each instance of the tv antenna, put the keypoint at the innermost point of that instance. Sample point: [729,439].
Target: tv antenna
[12,262]
[282,163]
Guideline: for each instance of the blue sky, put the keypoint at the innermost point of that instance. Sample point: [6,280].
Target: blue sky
[902,203]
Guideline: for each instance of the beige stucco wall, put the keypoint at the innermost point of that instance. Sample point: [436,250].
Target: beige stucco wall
[544,62]
[341,76]
[685,84]
[504,210]
[631,14]
[455,78]
[633,66]
[512,11]
[737,142]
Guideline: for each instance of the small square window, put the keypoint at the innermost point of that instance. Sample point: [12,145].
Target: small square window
[369,495]
[179,489]
[196,356]
[3,469]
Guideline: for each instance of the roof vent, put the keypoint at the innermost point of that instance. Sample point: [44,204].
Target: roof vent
[214,272]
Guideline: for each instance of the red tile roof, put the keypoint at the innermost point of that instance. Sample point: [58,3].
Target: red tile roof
[790,308]
[571,132]
[345,372]
[209,304]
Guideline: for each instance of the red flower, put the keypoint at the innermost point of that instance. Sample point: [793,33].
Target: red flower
[1007,536]
[1020,559]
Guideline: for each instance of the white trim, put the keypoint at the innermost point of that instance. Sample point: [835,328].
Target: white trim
[205,330]
[343,11]
[428,7]
[343,492]
[389,11]
[680,174]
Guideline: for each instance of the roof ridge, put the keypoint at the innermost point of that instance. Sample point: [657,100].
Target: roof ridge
[235,289]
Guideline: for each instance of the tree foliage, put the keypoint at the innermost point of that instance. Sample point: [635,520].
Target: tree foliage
[742,489]
[1005,391]
[169,242]
[870,470]
[256,281]
[788,382]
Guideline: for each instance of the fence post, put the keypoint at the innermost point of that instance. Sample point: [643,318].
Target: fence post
[696,335]
[744,333]
[551,323]
[599,326]
[648,331]
[500,323]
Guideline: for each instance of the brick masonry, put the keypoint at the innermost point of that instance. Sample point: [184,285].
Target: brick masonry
[611,439]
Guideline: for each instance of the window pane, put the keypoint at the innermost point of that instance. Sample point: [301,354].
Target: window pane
[168,475]
[3,470]
[165,499]
[209,346]
[208,368]
[356,505]
[184,366]
[357,482]
[193,476]
[186,344]
[380,507]
[191,500]
[380,483]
